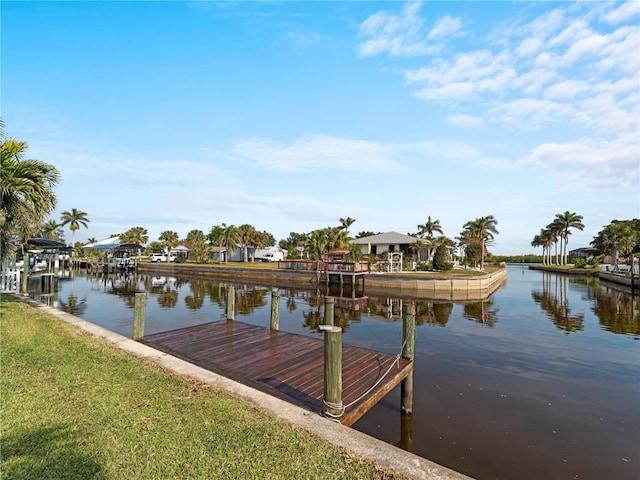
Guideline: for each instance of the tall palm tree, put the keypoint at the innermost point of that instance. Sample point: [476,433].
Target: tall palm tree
[426,232]
[483,230]
[345,223]
[566,221]
[429,228]
[26,190]
[75,218]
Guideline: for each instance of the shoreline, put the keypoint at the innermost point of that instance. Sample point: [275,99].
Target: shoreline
[443,287]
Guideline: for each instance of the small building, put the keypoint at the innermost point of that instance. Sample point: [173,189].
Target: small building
[584,252]
[386,242]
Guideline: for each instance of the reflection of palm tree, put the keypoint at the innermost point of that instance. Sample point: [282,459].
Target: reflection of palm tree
[312,319]
[291,304]
[442,312]
[73,305]
[556,305]
[199,290]
[481,312]
[168,298]
[248,300]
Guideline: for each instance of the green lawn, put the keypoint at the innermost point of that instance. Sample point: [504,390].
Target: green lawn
[76,407]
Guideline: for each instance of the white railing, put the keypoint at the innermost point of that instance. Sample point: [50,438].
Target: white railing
[10,281]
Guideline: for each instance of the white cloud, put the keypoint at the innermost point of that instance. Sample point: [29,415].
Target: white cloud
[567,89]
[625,11]
[400,34]
[313,153]
[563,68]
[529,46]
[530,113]
[591,163]
[404,33]
[445,27]
[465,121]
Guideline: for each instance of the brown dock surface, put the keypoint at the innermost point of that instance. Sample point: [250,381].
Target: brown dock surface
[286,365]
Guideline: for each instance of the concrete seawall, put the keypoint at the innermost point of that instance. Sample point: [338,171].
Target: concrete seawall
[412,285]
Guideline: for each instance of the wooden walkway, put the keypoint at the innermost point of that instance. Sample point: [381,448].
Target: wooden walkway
[285,365]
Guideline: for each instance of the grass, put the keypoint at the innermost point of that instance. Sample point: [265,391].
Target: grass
[76,407]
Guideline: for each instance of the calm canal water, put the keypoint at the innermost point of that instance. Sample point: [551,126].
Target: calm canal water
[542,380]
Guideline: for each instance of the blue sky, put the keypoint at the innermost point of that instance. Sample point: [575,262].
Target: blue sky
[291,115]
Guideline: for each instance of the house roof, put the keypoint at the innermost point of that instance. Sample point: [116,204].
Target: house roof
[388,238]
[111,242]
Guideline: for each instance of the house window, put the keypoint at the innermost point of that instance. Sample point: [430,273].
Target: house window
[392,248]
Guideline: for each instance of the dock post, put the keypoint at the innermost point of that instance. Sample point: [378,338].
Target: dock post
[332,399]
[231,300]
[275,309]
[138,315]
[25,273]
[408,348]
[406,431]
[329,308]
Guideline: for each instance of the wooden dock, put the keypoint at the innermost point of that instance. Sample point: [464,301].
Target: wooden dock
[285,365]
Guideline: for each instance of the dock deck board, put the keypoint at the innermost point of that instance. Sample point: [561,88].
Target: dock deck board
[286,365]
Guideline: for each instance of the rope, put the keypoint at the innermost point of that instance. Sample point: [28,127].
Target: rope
[396,362]
[342,408]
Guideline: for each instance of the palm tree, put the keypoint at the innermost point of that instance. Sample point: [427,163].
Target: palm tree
[26,190]
[258,240]
[345,223]
[169,239]
[74,219]
[429,228]
[418,245]
[228,239]
[482,230]
[135,235]
[195,237]
[566,221]
[245,233]
[316,243]
[51,230]
[426,232]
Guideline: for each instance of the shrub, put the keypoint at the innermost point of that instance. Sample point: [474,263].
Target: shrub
[440,259]
[422,266]
[579,262]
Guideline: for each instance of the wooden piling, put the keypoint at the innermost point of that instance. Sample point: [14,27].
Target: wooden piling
[231,300]
[25,274]
[275,309]
[408,349]
[332,399]
[329,309]
[138,315]
[406,431]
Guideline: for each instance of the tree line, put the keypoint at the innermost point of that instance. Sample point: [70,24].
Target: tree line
[620,238]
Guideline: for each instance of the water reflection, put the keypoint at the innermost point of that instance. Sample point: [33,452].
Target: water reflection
[616,310]
[73,305]
[484,313]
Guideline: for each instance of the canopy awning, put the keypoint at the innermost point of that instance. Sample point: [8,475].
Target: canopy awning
[45,243]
